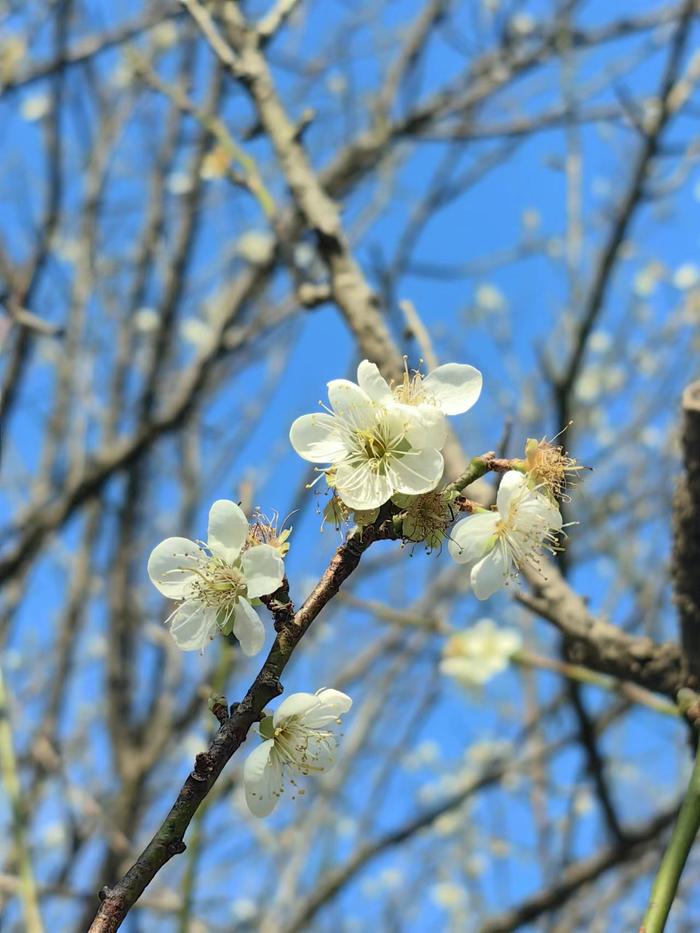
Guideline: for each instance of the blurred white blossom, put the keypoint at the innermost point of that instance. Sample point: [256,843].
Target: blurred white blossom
[179,183]
[196,332]
[146,320]
[35,107]
[449,895]
[255,246]
[476,655]
[490,298]
[686,276]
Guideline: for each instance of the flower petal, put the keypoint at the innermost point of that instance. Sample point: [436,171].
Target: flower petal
[513,485]
[351,404]
[316,438]
[373,383]
[317,754]
[262,779]
[228,528]
[171,566]
[491,573]
[248,628]
[362,488]
[469,671]
[331,705]
[263,569]
[193,626]
[296,705]
[541,510]
[416,471]
[472,537]
[425,427]
[455,387]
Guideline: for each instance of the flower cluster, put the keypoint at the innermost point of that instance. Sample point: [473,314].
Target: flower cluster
[381,444]
[216,581]
[380,440]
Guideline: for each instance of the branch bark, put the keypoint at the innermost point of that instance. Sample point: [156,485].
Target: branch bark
[686,537]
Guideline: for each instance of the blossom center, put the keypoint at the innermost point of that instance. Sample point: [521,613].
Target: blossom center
[377,446]
[300,746]
[373,445]
[410,391]
[218,584]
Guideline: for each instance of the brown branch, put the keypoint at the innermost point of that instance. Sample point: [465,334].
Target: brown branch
[350,290]
[168,840]
[599,645]
[686,535]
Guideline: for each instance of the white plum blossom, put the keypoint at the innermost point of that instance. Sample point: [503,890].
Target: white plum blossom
[36,107]
[255,247]
[686,276]
[451,389]
[374,450]
[216,581]
[475,656]
[298,737]
[496,544]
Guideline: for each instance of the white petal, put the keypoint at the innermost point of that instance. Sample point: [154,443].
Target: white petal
[512,485]
[472,537]
[171,566]
[491,573]
[455,387]
[317,754]
[509,641]
[248,628]
[467,670]
[540,510]
[351,403]
[373,383]
[416,471]
[228,528]
[362,488]
[426,427]
[331,705]
[263,569]
[316,438]
[262,779]
[193,626]
[296,705]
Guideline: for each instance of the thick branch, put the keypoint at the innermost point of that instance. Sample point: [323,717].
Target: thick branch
[599,645]
[686,537]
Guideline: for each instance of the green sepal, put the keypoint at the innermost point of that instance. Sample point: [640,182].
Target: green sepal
[225,622]
[267,728]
